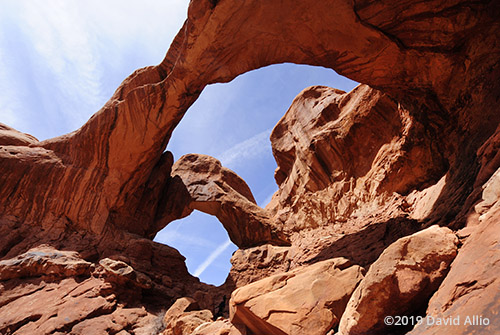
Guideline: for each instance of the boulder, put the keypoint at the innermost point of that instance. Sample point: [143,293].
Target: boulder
[219,327]
[400,282]
[307,300]
[470,291]
[187,322]
[45,261]
[180,306]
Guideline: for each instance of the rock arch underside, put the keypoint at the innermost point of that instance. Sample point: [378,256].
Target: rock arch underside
[388,194]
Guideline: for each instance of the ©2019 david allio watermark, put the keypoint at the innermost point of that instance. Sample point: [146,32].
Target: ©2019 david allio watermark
[468,320]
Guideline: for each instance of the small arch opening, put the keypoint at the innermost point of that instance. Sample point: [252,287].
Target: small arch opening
[233,122]
[205,244]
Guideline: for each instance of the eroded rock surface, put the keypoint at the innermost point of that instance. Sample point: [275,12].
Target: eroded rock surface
[48,291]
[44,261]
[400,281]
[471,288]
[334,162]
[308,300]
[417,146]
[216,190]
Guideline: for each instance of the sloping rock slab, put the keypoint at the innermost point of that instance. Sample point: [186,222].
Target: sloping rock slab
[470,293]
[400,282]
[44,261]
[307,300]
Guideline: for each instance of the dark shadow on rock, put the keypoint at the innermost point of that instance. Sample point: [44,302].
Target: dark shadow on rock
[365,246]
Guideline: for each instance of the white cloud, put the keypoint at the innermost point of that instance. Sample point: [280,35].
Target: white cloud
[63,47]
[64,58]
[211,258]
[244,152]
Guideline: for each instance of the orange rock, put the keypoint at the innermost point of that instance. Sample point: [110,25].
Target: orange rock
[471,290]
[420,145]
[11,137]
[400,281]
[219,327]
[180,306]
[251,264]
[307,300]
[218,191]
[334,162]
[44,261]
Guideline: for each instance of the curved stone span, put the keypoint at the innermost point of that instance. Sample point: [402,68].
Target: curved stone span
[108,161]
[107,188]
[216,190]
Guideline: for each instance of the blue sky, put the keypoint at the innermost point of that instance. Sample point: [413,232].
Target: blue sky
[60,61]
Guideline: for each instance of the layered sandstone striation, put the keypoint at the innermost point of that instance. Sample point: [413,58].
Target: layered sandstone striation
[416,144]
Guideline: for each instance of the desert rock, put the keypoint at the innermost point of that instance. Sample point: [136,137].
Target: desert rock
[308,300]
[415,145]
[218,191]
[400,282]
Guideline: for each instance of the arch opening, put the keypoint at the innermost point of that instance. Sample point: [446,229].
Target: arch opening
[204,242]
[232,122]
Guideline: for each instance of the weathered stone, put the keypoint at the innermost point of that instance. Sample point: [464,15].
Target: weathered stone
[122,273]
[219,327]
[308,300]
[471,290]
[249,265]
[334,163]
[55,307]
[218,191]
[104,189]
[181,305]
[400,282]
[187,322]
[9,136]
[44,261]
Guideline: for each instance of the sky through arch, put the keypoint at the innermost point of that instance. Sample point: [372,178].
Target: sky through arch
[232,122]
[60,61]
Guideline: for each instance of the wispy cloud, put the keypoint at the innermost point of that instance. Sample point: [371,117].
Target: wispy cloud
[63,59]
[267,199]
[211,258]
[245,151]
[173,237]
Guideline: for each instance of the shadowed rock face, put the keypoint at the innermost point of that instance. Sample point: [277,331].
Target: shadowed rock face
[418,146]
[334,160]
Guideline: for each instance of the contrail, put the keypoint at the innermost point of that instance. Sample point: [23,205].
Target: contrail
[211,258]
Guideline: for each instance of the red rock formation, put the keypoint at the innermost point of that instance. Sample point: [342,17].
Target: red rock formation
[379,164]
[216,190]
[307,300]
[334,163]
[400,282]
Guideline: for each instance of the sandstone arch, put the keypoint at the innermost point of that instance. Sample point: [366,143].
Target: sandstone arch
[99,189]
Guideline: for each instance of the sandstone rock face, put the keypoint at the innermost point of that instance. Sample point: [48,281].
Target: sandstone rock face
[401,281]
[471,288]
[251,264]
[11,137]
[218,191]
[48,291]
[327,174]
[219,327]
[308,300]
[188,322]
[44,261]
[418,146]
[180,306]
